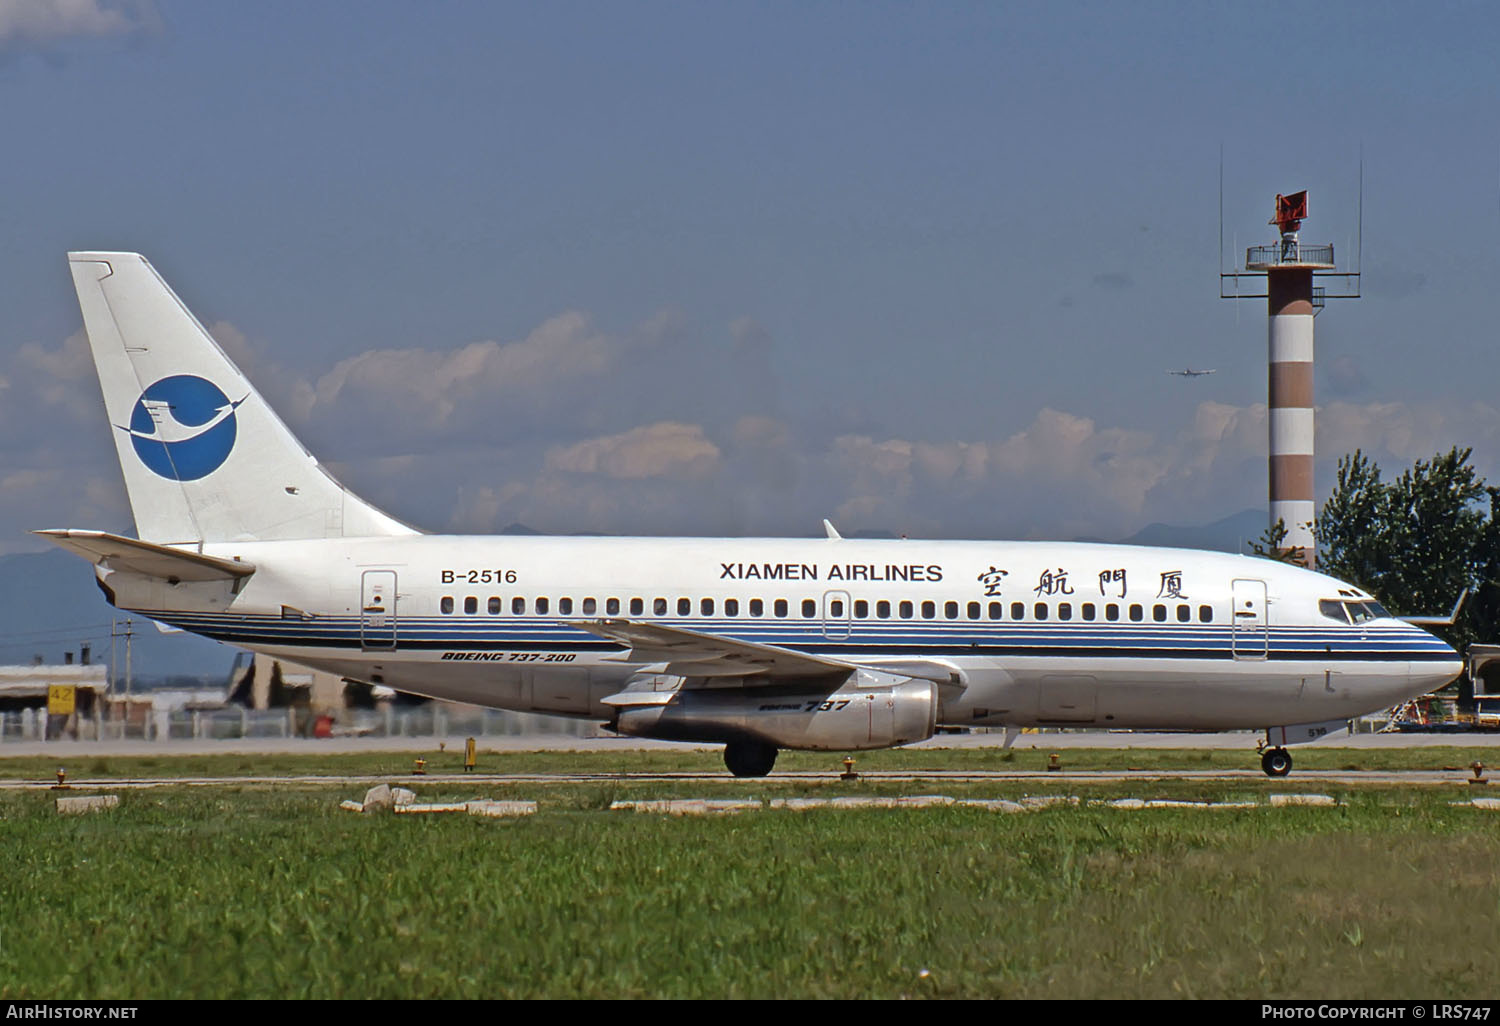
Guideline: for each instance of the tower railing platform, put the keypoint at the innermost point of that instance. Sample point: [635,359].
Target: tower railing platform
[1288,253]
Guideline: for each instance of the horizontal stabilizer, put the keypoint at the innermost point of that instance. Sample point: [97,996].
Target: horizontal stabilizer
[115,552]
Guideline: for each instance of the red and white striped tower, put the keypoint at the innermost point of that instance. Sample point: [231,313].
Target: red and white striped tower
[1289,268]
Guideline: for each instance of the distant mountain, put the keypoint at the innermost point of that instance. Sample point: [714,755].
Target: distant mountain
[1232,534]
[49,605]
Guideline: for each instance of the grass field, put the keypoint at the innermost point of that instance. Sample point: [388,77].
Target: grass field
[85,766]
[243,891]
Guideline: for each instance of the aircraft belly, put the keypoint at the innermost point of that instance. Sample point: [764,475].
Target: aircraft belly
[1207,695]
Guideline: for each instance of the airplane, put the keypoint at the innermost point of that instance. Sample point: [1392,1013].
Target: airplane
[761,644]
[1188,372]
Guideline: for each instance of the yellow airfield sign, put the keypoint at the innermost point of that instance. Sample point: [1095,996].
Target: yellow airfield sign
[60,699]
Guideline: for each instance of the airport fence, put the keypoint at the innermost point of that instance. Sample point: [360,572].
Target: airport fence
[434,721]
[234,723]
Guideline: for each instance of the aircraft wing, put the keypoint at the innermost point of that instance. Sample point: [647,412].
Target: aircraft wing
[695,654]
[116,552]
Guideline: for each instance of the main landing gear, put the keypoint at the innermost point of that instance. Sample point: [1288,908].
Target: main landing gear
[749,758]
[1277,762]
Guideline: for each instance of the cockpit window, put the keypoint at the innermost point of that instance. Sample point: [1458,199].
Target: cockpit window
[1378,610]
[1359,612]
[1333,610]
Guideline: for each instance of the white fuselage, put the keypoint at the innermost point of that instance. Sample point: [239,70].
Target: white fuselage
[1034,633]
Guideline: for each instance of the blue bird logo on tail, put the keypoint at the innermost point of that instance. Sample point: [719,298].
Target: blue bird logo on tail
[183,427]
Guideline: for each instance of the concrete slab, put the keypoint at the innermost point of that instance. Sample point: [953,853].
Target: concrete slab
[688,806]
[992,804]
[81,804]
[419,809]
[499,809]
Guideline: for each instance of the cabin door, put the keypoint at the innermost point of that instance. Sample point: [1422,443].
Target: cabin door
[1249,628]
[377,610]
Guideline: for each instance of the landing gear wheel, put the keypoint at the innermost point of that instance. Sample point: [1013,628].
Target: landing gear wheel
[1277,762]
[749,758]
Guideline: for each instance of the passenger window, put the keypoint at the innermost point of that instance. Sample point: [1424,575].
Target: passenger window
[1087,610]
[637,606]
[1159,613]
[731,607]
[611,607]
[493,605]
[1137,614]
[973,610]
[836,609]
[883,609]
[905,609]
[1018,610]
[707,607]
[684,607]
[1111,612]
[565,606]
[590,607]
[861,609]
[1039,611]
[1065,610]
[659,607]
[541,606]
[929,610]
[1184,614]
[950,610]
[757,607]
[780,607]
[517,606]
[471,604]
[1206,614]
[996,611]
[809,609]
[447,604]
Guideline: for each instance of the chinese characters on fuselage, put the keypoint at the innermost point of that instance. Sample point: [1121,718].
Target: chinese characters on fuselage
[1053,582]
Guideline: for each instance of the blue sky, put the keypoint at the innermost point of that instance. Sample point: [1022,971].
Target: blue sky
[730,268]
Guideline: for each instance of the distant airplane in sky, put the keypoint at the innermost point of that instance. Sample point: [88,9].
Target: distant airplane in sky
[1188,372]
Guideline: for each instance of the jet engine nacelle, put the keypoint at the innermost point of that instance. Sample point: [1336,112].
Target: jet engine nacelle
[870,710]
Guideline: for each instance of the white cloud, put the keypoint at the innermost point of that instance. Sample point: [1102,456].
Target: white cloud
[558,430]
[45,21]
[664,449]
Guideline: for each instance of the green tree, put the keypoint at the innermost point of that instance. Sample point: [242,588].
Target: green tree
[1417,542]
[1272,545]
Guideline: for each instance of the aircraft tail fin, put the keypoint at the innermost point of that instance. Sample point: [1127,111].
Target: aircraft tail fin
[204,458]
